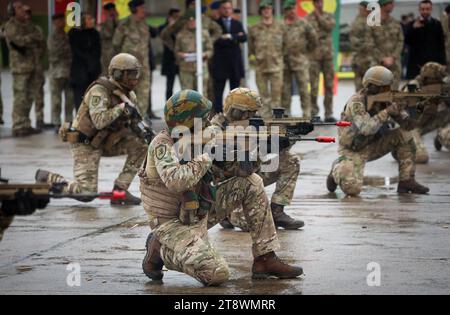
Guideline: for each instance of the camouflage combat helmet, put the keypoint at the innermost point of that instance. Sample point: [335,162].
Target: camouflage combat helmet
[379,76]
[125,69]
[289,4]
[433,71]
[183,107]
[242,99]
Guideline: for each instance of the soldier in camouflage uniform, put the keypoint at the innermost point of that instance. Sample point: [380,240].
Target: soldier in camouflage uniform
[23,38]
[301,38]
[60,58]
[180,225]
[103,129]
[361,50]
[266,41]
[240,105]
[107,33]
[372,137]
[132,36]
[386,42]
[322,59]
[443,138]
[39,53]
[445,21]
[185,48]
[439,114]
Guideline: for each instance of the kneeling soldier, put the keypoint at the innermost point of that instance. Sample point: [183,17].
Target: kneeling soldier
[102,128]
[180,201]
[371,137]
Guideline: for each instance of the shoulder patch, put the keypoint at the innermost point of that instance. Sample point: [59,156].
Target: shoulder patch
[160,151]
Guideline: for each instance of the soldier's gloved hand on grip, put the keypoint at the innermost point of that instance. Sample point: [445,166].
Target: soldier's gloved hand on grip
[24,203]
[130,111]
[394,109]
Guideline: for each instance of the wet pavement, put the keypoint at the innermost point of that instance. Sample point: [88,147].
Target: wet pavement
[407,237]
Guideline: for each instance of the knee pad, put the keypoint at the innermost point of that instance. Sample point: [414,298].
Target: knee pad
[351,188]
[216,277]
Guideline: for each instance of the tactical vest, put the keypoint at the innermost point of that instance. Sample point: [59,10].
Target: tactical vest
[83,122]
[158,200]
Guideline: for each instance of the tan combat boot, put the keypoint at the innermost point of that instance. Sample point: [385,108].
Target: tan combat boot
[412,187]
[281,219]
[152,264]
[269,265]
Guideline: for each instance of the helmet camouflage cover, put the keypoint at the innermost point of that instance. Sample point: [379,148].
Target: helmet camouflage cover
[433,71]
[124,62]
[242,99]
[379,76]
[184,106]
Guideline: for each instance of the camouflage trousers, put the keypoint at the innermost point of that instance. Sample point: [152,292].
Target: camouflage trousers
[86,162]
[186,248]
[359,70]
[39,95]
[285,180]
[23,100]
[143,90]
[441,120]
[269,88]
[58,86]
[325,66]
[302,79]
[188,81]
[348,169]
[444,136]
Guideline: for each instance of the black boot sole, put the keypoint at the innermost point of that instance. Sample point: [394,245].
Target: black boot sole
[263,276]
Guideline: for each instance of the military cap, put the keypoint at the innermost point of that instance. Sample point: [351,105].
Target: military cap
[364,3]
[289,4]
[215,5]
[136,3]
[384,2]
[109,6]
[265,3]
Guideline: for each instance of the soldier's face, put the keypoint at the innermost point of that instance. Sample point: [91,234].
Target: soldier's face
[140,12]
[191,24]
[20,11]
[267,12]
[89,21]
[59,24]
[425,10]
[388,8]
[290,13]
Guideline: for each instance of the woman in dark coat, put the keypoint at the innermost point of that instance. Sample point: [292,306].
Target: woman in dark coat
[86,66]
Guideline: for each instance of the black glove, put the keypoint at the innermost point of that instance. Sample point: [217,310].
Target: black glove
[131,112]
[24,203]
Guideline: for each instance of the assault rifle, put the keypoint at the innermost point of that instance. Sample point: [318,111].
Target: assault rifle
[412,99]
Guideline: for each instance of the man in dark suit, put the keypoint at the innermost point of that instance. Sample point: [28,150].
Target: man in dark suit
[227,62]
[425,38]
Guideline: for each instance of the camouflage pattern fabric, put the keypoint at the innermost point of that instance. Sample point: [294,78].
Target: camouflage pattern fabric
[387,41]
[23,39]
[322,61]
[360,48]
[366,140]
[267,44]
[446,27]
[60,56]
[444,136]
[296,63]
[133,37]
[107,34]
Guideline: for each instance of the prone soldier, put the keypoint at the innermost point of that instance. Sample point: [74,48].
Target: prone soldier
[102,128]
[372,136]
[180,200]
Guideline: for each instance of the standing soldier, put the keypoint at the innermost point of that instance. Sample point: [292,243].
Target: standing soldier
[371,138]
[132,36]
[387,42]
[185,52]
[240,105]
[322,59]
[301,38]
[361,50]
[180,202]
[39,53]
[60,59]
[266,41]
[107,34]
[22,38]
[446,27]
[103,127]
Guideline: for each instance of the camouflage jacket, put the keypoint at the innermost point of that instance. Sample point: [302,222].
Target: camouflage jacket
[59,54]
[301,38]
[186,43]
[133,37]
[446,28]
[385,41]
[361,48]
[107,35]
[23,39]
[324,25]
[164,178]
[267,44]
[365,127]
[208,24]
